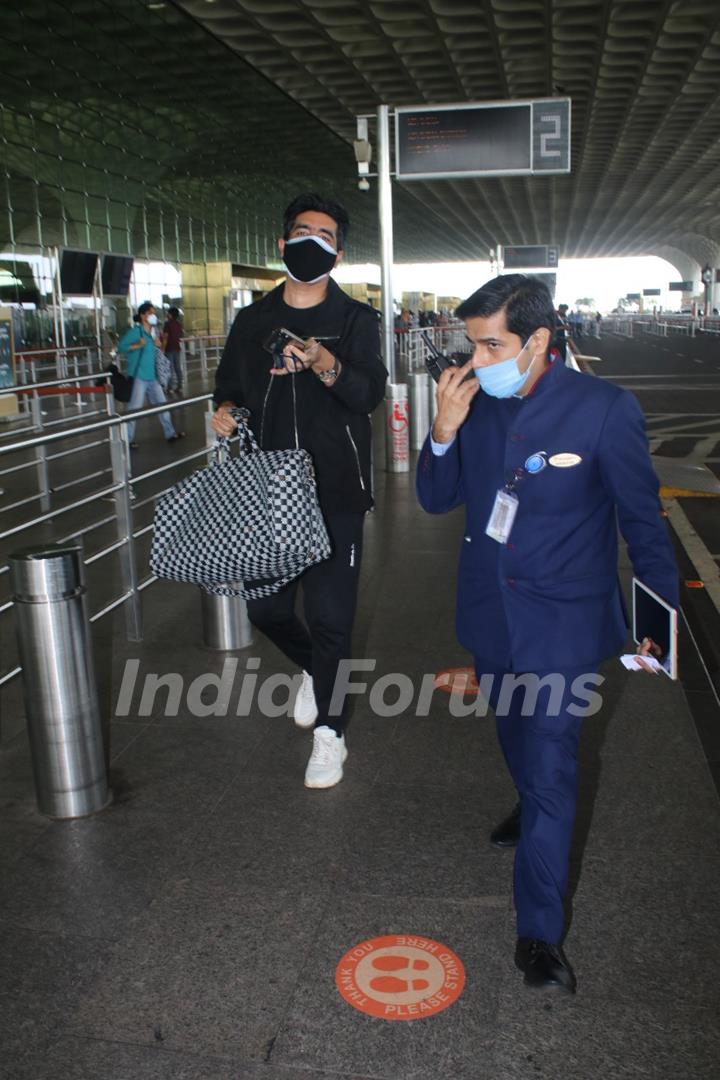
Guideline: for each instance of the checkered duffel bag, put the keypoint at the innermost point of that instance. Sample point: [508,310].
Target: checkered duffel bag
[163,370]
[243,526]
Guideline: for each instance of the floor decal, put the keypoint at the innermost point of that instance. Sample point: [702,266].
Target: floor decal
[400,977]
[457,680]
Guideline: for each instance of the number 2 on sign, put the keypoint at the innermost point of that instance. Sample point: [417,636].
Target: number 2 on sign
[545,151]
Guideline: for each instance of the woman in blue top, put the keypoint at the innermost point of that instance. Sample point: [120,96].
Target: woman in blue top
[138,347]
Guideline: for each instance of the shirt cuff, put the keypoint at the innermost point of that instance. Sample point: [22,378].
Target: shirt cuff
[440,448]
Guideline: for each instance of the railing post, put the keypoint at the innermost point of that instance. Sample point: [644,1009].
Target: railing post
[120,461]
[40,454]
[209,433]
[203,359]
[109,397]
[23,399]
[183,366]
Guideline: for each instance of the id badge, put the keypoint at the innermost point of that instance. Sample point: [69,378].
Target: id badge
[502,517]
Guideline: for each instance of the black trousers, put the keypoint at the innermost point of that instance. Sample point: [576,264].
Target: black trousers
[329,602]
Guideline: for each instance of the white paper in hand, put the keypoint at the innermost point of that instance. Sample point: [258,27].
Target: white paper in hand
[630,661]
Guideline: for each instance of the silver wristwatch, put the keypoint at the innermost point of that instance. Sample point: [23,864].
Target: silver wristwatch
[328,376]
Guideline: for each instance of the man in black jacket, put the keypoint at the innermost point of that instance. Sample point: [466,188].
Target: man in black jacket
[318,400]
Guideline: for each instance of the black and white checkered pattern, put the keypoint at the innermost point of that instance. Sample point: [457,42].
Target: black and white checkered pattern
[162,368]
[245,527]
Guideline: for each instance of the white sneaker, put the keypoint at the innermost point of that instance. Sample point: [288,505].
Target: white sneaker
[325,767]
[305,710]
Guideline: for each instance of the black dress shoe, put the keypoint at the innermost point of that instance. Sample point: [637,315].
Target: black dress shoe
[507,833]
[545,966]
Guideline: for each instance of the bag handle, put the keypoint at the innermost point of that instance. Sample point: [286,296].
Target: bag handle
[267,395]
[248,443]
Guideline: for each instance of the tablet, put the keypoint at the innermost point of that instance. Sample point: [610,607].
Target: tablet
[653,617]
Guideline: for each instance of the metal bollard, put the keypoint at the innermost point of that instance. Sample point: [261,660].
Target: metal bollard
[419,409]
[397,453]
[432,400]
[60,691]
[225,622]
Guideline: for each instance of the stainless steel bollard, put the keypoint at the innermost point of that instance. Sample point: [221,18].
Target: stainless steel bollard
[419,408]
[397,450]
[432,400]
[61,700]
[225,622]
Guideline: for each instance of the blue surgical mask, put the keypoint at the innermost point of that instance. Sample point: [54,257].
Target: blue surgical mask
[504,379]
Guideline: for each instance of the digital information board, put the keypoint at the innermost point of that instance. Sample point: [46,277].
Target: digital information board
[652,292]
[527,256]
[681,286]
[495,138]
[547,279]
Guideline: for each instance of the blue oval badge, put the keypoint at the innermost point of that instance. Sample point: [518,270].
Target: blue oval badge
[536,463]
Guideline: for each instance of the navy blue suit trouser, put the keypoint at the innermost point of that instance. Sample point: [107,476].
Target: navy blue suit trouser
[541,753]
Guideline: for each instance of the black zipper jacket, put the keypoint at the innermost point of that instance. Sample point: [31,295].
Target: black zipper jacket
[333,422]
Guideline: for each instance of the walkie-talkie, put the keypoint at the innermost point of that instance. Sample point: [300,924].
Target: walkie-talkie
[438,361]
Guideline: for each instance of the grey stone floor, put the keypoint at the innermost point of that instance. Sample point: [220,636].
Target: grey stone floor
[192,930]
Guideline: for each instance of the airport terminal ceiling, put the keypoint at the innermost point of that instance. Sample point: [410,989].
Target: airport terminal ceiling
[176,127]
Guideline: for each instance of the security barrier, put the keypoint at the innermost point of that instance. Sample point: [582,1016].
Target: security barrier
[61,702]
[225,621]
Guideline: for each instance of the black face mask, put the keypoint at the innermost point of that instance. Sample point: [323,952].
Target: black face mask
[308,258]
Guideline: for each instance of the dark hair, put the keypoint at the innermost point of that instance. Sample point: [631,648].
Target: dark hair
[526,301]
[310,201]
[174,312]
[145,306]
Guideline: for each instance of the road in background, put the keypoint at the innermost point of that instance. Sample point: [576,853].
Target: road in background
[677,382]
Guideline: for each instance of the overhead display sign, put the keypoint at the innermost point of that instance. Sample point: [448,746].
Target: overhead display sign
[526,256]
[633,296]
[652,292]
[116,274]
[681,286]
[495,138]
[550,280]
[77,272]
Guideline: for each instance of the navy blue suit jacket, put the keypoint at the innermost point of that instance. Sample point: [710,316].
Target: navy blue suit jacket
[550,599]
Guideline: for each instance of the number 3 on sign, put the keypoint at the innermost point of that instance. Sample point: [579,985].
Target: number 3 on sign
[546,136]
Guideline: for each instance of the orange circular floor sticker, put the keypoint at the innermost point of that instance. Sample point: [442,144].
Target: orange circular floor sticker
[456,680]
[400,977]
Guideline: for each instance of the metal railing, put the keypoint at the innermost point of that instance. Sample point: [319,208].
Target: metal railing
[203,351]
[411,349]
[122,490]
[38,365]
[662,325]
[35,419]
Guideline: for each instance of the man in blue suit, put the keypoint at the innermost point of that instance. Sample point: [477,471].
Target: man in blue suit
[548,463]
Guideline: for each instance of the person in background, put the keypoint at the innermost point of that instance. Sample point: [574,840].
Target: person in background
[137,345]
[562,329]
[171,337]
